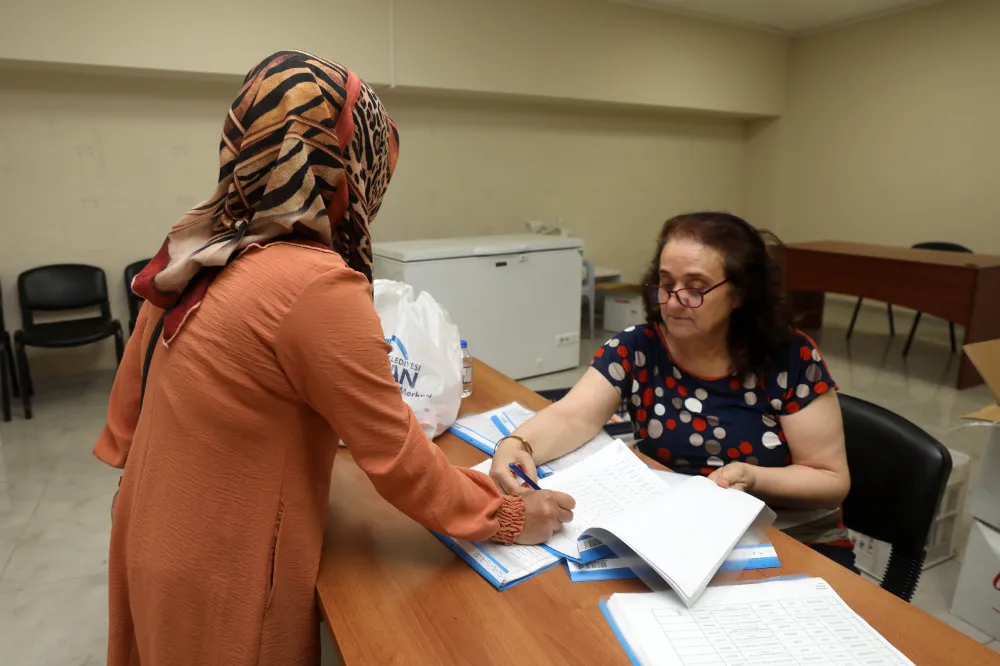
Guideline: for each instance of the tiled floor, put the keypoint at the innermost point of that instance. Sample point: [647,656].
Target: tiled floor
[55,497]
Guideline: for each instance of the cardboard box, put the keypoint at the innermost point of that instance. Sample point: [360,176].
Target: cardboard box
[977,595]
[985,503]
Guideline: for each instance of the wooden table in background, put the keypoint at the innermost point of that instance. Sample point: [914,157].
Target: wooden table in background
[393,594]
[963,288]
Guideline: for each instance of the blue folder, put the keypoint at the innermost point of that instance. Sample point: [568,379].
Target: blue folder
[483,571]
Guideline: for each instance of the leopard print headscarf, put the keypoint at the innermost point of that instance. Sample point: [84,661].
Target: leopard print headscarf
[307,149]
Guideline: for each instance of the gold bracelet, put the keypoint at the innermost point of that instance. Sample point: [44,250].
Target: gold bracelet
[524,443]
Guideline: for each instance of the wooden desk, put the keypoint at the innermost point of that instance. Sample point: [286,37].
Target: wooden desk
[393,594]
[963,288]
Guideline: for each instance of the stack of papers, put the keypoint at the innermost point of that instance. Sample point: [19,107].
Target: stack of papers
[750,553]
[771,623]
[483,431]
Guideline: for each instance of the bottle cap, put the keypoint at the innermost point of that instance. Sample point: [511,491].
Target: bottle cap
[465,344]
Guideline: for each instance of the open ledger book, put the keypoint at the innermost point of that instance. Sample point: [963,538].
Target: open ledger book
[753,551]
[677,535]
[676,532]
[776,622]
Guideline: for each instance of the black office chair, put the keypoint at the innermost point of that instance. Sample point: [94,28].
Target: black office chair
[931,245]
[134,300]
[8,369]
[58,288]
[898,475]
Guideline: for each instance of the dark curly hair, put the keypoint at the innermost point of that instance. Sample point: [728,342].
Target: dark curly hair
[760,328]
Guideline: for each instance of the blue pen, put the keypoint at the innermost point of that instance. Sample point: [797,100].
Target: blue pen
[524,477]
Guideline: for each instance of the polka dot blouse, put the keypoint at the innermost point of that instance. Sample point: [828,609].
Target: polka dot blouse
[696,424]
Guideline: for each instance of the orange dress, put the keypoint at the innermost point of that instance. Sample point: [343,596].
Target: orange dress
[218,526]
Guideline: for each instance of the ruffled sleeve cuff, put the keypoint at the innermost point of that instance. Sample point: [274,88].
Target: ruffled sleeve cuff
[510,515]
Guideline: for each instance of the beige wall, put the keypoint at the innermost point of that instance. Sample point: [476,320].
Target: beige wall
[214,37]
[892,133]
[890,136]
[110,113]
[590,50]
[468,168]
[95,169]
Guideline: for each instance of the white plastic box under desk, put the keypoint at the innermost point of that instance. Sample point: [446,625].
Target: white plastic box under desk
[516,299]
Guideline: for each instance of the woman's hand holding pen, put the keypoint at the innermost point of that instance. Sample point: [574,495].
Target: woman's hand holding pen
[544,513]
[511,451]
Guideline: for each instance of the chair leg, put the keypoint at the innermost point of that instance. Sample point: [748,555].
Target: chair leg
[22,366]
[892,323]
[15,383]
[854,318]
[4,392]
[913,330]
[951,329]
[27,383]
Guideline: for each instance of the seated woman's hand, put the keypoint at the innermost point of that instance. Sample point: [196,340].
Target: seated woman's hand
[735,475]
[544,513]
[510,451]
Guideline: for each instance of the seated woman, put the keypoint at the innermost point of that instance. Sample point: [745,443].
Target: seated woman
[717,383]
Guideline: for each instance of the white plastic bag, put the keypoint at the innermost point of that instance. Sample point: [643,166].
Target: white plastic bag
[425,354]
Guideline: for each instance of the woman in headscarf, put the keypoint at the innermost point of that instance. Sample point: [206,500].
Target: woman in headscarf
[262,348]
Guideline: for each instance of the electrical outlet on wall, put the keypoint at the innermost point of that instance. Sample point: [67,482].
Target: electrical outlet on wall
[564,339]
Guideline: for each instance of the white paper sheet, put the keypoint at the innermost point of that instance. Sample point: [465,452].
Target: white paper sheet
[683,535]
[604,484]
[771,623]
[595,445]
[519,561]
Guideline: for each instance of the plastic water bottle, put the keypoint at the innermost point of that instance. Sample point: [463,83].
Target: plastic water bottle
[466,370]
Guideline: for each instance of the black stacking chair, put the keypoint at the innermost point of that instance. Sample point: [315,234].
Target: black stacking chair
[931,245]
[898,475]
[134,301]
[58,288]
[943,247]
[854,318]
[7,367]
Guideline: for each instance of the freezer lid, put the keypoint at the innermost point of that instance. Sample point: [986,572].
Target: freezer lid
[472,246]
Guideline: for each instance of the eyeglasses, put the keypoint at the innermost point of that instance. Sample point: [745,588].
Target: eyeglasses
[689,298]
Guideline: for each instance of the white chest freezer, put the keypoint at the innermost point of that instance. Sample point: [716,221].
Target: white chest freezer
[515,299]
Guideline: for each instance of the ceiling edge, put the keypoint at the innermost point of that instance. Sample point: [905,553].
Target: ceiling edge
[760,27]
[836,25]
[702,16]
